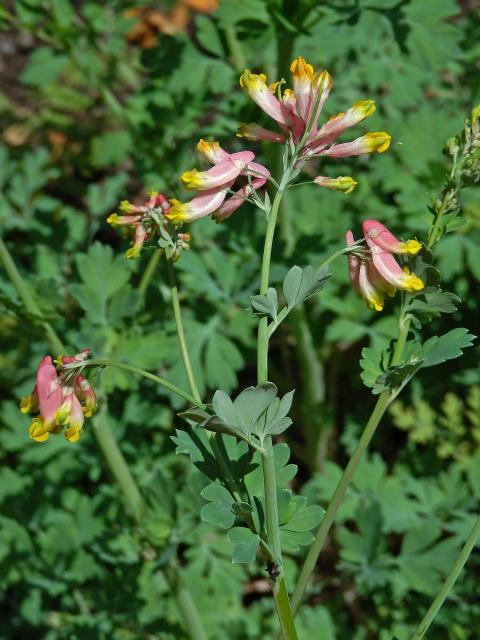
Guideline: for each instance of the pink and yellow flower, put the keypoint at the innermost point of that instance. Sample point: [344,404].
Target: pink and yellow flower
[141,221]
[217,183]
[62,398]
[297,112]
[375,272]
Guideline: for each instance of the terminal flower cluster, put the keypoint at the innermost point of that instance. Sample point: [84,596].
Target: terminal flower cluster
[61,399]
[297,112]
[375,272]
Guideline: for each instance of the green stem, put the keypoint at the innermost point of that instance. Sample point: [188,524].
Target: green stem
[108,444]
[28,300]
[262,347]
[181,333]
[186,604]
[273,531]
[235,49]
[217,452]
[149,271]
[146,374]
[378,411]
[449,582]
[280,593]
[117,464]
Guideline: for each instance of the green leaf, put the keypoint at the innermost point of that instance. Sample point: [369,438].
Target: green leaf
[231,12]
[431,303]
[299,284]
[296,519]
[256,411]
[439,349]
[219,510]
[245,544]
[373,365]
[208,36]
[266,305]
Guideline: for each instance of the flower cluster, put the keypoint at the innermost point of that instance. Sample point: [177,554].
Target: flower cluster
[149,220]
[375,272]
[62,398]
[216,183]
[297,113]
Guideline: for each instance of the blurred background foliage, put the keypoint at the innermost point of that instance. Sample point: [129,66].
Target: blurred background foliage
[102,101]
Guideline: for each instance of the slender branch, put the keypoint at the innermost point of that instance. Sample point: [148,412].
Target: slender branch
[279,588]
[379,409]
[141,372]
[449,582]
[149,271]
[181,333]
[186,604]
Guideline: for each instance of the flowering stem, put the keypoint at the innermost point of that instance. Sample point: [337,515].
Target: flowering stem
[379,409]
[146,374]
[279,588]
[216,449]
[181,334]
[449,582]
[149,271]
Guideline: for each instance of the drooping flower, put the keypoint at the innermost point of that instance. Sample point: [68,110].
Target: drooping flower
[217,183]
[297,113]
[140,220]
[374,271]
[62,398]
[147,221]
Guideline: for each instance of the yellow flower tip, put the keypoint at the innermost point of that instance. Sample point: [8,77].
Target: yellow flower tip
[133,252]
[37,430]
[250,81]
[376,303]
[204,147]
[125,206]
[365,107]
[62,415]
[73,433]
[178,212]
[153,193]
[113,219]
[378,141]
[273,86]
[412,282]
[411,247]
[301,69]
[87,411]
[346,184]
[192,179]
[475,115]
[324,81]
[26,404]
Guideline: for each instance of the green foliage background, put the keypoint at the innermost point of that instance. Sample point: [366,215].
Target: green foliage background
[89,120]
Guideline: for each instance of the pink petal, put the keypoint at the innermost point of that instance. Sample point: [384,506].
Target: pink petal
[50,395]
[353,261]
